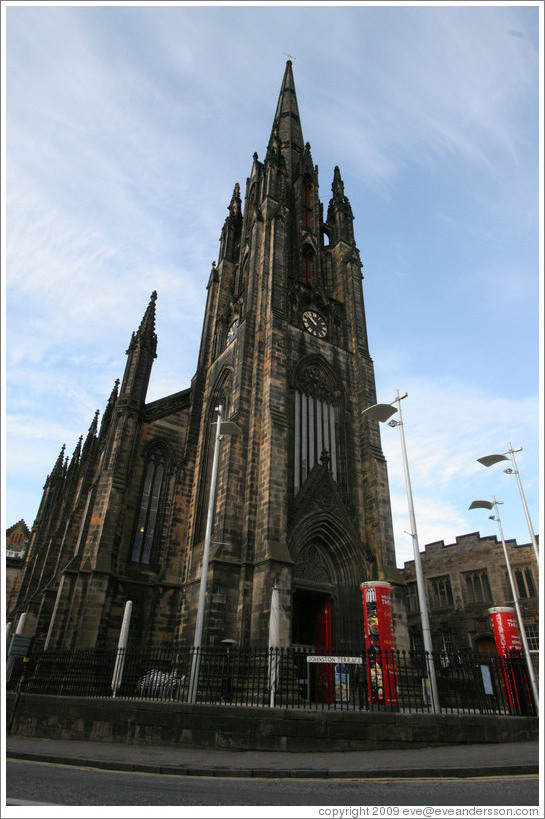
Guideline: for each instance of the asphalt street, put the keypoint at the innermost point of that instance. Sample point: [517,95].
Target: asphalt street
[53,784]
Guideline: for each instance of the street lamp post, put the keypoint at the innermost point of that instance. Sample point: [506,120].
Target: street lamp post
[222,428]
[381,412]
[489,460]
[482,504]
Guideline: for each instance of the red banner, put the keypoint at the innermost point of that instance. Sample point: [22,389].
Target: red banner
[506,630]
[379,642]
[508,642]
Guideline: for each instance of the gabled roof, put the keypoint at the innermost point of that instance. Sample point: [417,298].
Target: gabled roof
[20,526]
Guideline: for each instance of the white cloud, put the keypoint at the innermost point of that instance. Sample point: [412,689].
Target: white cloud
[433,516]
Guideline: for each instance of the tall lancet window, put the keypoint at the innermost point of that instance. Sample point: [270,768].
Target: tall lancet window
[149,508]
[308,264]
[315,422]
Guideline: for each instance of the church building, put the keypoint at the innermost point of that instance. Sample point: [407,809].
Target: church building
[302,501]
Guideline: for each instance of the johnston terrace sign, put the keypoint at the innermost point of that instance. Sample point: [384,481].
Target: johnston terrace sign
[322,658]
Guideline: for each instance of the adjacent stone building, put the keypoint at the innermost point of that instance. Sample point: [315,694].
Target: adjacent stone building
[17,540]
[302,498]
[463,580]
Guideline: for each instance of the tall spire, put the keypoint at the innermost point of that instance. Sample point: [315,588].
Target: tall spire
[287,124]
[141,352]
[146,332]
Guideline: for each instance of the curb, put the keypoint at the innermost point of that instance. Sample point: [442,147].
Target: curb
[283,773]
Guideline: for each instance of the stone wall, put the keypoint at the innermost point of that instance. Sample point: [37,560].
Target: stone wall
[210,726]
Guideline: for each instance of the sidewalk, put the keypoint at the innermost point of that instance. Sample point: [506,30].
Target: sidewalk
[449,761]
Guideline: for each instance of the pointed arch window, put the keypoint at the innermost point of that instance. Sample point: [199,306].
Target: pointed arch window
[315,423]
[149,508]
[306,198]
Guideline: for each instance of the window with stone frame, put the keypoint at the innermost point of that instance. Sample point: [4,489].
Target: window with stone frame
[532,636]
[447,641]
[477,587]
[413,603]
[416,639]
[524,581]
[441,592]
[150,497]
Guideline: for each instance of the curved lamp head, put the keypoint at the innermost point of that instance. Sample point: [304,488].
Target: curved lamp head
[490,460]
[480,504]
[379,412]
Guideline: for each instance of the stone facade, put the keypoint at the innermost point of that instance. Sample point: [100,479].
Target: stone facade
[463,580]
[302,501]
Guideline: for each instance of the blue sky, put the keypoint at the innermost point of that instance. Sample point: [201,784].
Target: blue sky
[126,129]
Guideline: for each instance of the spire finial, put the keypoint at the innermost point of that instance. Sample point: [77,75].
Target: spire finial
[147,325]
[107,414]
[287,123]
[59,463]
[91,437]
[338,185]
[77,451]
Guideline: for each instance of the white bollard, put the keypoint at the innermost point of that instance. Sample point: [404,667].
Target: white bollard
[121,648]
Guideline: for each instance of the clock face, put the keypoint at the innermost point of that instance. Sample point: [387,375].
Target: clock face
[232,332]
[314,324]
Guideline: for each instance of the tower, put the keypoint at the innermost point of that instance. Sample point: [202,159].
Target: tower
[302,495]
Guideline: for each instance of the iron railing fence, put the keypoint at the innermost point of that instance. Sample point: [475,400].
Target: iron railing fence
[285,678]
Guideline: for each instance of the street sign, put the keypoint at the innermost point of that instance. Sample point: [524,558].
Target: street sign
[326,658]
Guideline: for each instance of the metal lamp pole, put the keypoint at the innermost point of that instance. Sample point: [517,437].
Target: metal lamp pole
[381,412]
[489,460]
[480,504]
[222,429]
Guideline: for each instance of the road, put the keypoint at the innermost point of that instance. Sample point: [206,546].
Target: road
[54,784]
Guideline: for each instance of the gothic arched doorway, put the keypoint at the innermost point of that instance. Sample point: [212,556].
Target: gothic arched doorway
[328,565]
[311,619]
[485,645]
[311,630]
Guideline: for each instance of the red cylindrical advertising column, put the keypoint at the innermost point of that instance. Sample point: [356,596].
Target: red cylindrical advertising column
[506,630]
[379,642]
[508,643]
